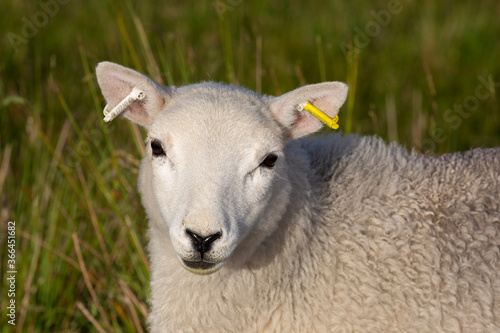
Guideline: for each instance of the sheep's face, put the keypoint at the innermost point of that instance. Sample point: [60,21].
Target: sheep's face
[217,174]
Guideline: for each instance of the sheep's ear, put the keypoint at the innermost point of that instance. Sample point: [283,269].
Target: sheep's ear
[327,97]
[117,82]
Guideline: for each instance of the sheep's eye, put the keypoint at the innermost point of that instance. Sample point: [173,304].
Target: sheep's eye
[156,148]
[270,161]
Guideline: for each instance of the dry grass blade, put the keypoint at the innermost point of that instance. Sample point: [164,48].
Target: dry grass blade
[418,123]
[352,80]
[138,140]
[5,165]
[86,277]
[63,136]
[140,306]
[137,243]
[392,121]
[129,302]
[58,253]
[147,48]
[432,86]
[93,217]
[258,65]
[89,316]
[28,286]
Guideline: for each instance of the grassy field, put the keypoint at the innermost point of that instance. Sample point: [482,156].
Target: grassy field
[425,74]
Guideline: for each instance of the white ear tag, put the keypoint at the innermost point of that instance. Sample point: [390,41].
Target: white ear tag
[134,95]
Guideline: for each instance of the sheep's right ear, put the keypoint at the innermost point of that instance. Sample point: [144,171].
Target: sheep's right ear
[327,97]
[117,82]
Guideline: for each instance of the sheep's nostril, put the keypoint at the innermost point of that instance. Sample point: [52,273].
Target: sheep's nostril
[202,244]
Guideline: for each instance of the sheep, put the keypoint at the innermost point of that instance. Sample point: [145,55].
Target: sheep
[256,226]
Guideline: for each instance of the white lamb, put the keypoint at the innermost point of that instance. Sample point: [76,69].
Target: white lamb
[318,234]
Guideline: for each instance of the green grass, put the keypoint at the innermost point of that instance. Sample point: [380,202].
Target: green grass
[69,180]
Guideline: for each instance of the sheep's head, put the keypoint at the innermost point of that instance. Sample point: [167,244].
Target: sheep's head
[215,172]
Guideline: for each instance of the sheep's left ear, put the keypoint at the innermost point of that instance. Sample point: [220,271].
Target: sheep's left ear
[327,97]
[117,82]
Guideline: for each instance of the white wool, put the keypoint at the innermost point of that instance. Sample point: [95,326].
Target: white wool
[344,234]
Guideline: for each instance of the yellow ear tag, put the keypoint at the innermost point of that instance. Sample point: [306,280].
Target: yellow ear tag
[332,123]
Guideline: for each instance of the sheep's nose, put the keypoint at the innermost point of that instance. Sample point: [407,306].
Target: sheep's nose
[203,244]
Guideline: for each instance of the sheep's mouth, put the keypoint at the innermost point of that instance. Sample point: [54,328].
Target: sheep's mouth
[201,267]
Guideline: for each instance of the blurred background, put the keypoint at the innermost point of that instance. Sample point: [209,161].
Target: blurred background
[425,74]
